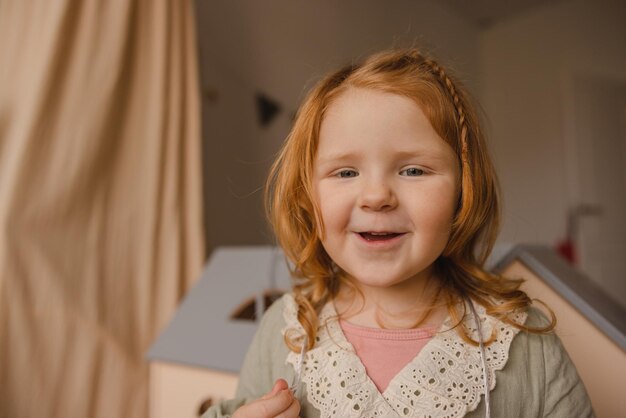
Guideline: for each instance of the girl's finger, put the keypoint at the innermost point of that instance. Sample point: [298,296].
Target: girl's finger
[282,384]
[275,405]
[279,385]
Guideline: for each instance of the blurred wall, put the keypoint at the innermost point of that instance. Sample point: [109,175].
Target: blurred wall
[281,48]
[528,66]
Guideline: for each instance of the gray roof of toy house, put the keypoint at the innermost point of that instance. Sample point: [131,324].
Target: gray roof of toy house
[202,332]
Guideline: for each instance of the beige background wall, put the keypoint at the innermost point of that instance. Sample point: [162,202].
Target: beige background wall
[529,67]
[527,63]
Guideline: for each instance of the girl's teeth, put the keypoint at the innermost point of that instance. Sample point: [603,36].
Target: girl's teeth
[378,236]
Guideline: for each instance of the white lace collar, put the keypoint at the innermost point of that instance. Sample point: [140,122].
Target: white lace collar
[443,380]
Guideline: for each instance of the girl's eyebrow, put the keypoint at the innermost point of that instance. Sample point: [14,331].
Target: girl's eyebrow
[418,152]
[429,153]
[412,153]
[336,157]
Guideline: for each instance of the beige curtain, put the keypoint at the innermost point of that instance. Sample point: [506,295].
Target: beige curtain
[100,198]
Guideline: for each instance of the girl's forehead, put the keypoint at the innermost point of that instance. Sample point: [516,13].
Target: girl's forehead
[360,117]
[358,113]
[363,108]
[363,96]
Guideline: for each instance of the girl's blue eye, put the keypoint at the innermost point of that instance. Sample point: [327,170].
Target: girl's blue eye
[347,173]
[413,172]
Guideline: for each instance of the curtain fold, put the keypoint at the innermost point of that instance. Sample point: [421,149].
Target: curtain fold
[100,198]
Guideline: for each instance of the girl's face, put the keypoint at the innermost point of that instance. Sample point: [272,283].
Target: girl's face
[386,185]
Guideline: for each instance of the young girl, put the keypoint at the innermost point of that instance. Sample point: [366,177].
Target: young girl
[385,201]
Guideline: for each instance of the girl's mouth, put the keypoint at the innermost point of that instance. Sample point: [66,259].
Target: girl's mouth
[379,236]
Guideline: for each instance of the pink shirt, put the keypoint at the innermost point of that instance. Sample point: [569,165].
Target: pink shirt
[384,352]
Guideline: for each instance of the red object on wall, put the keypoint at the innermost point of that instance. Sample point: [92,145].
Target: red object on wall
[567,249]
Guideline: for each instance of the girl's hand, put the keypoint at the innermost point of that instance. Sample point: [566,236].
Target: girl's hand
[278,403]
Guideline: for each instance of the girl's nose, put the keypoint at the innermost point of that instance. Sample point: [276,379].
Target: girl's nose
[377,196]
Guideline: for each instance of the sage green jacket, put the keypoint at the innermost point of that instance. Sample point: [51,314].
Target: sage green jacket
[536,379]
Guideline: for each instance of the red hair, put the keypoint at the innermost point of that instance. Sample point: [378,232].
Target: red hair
[295,218]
